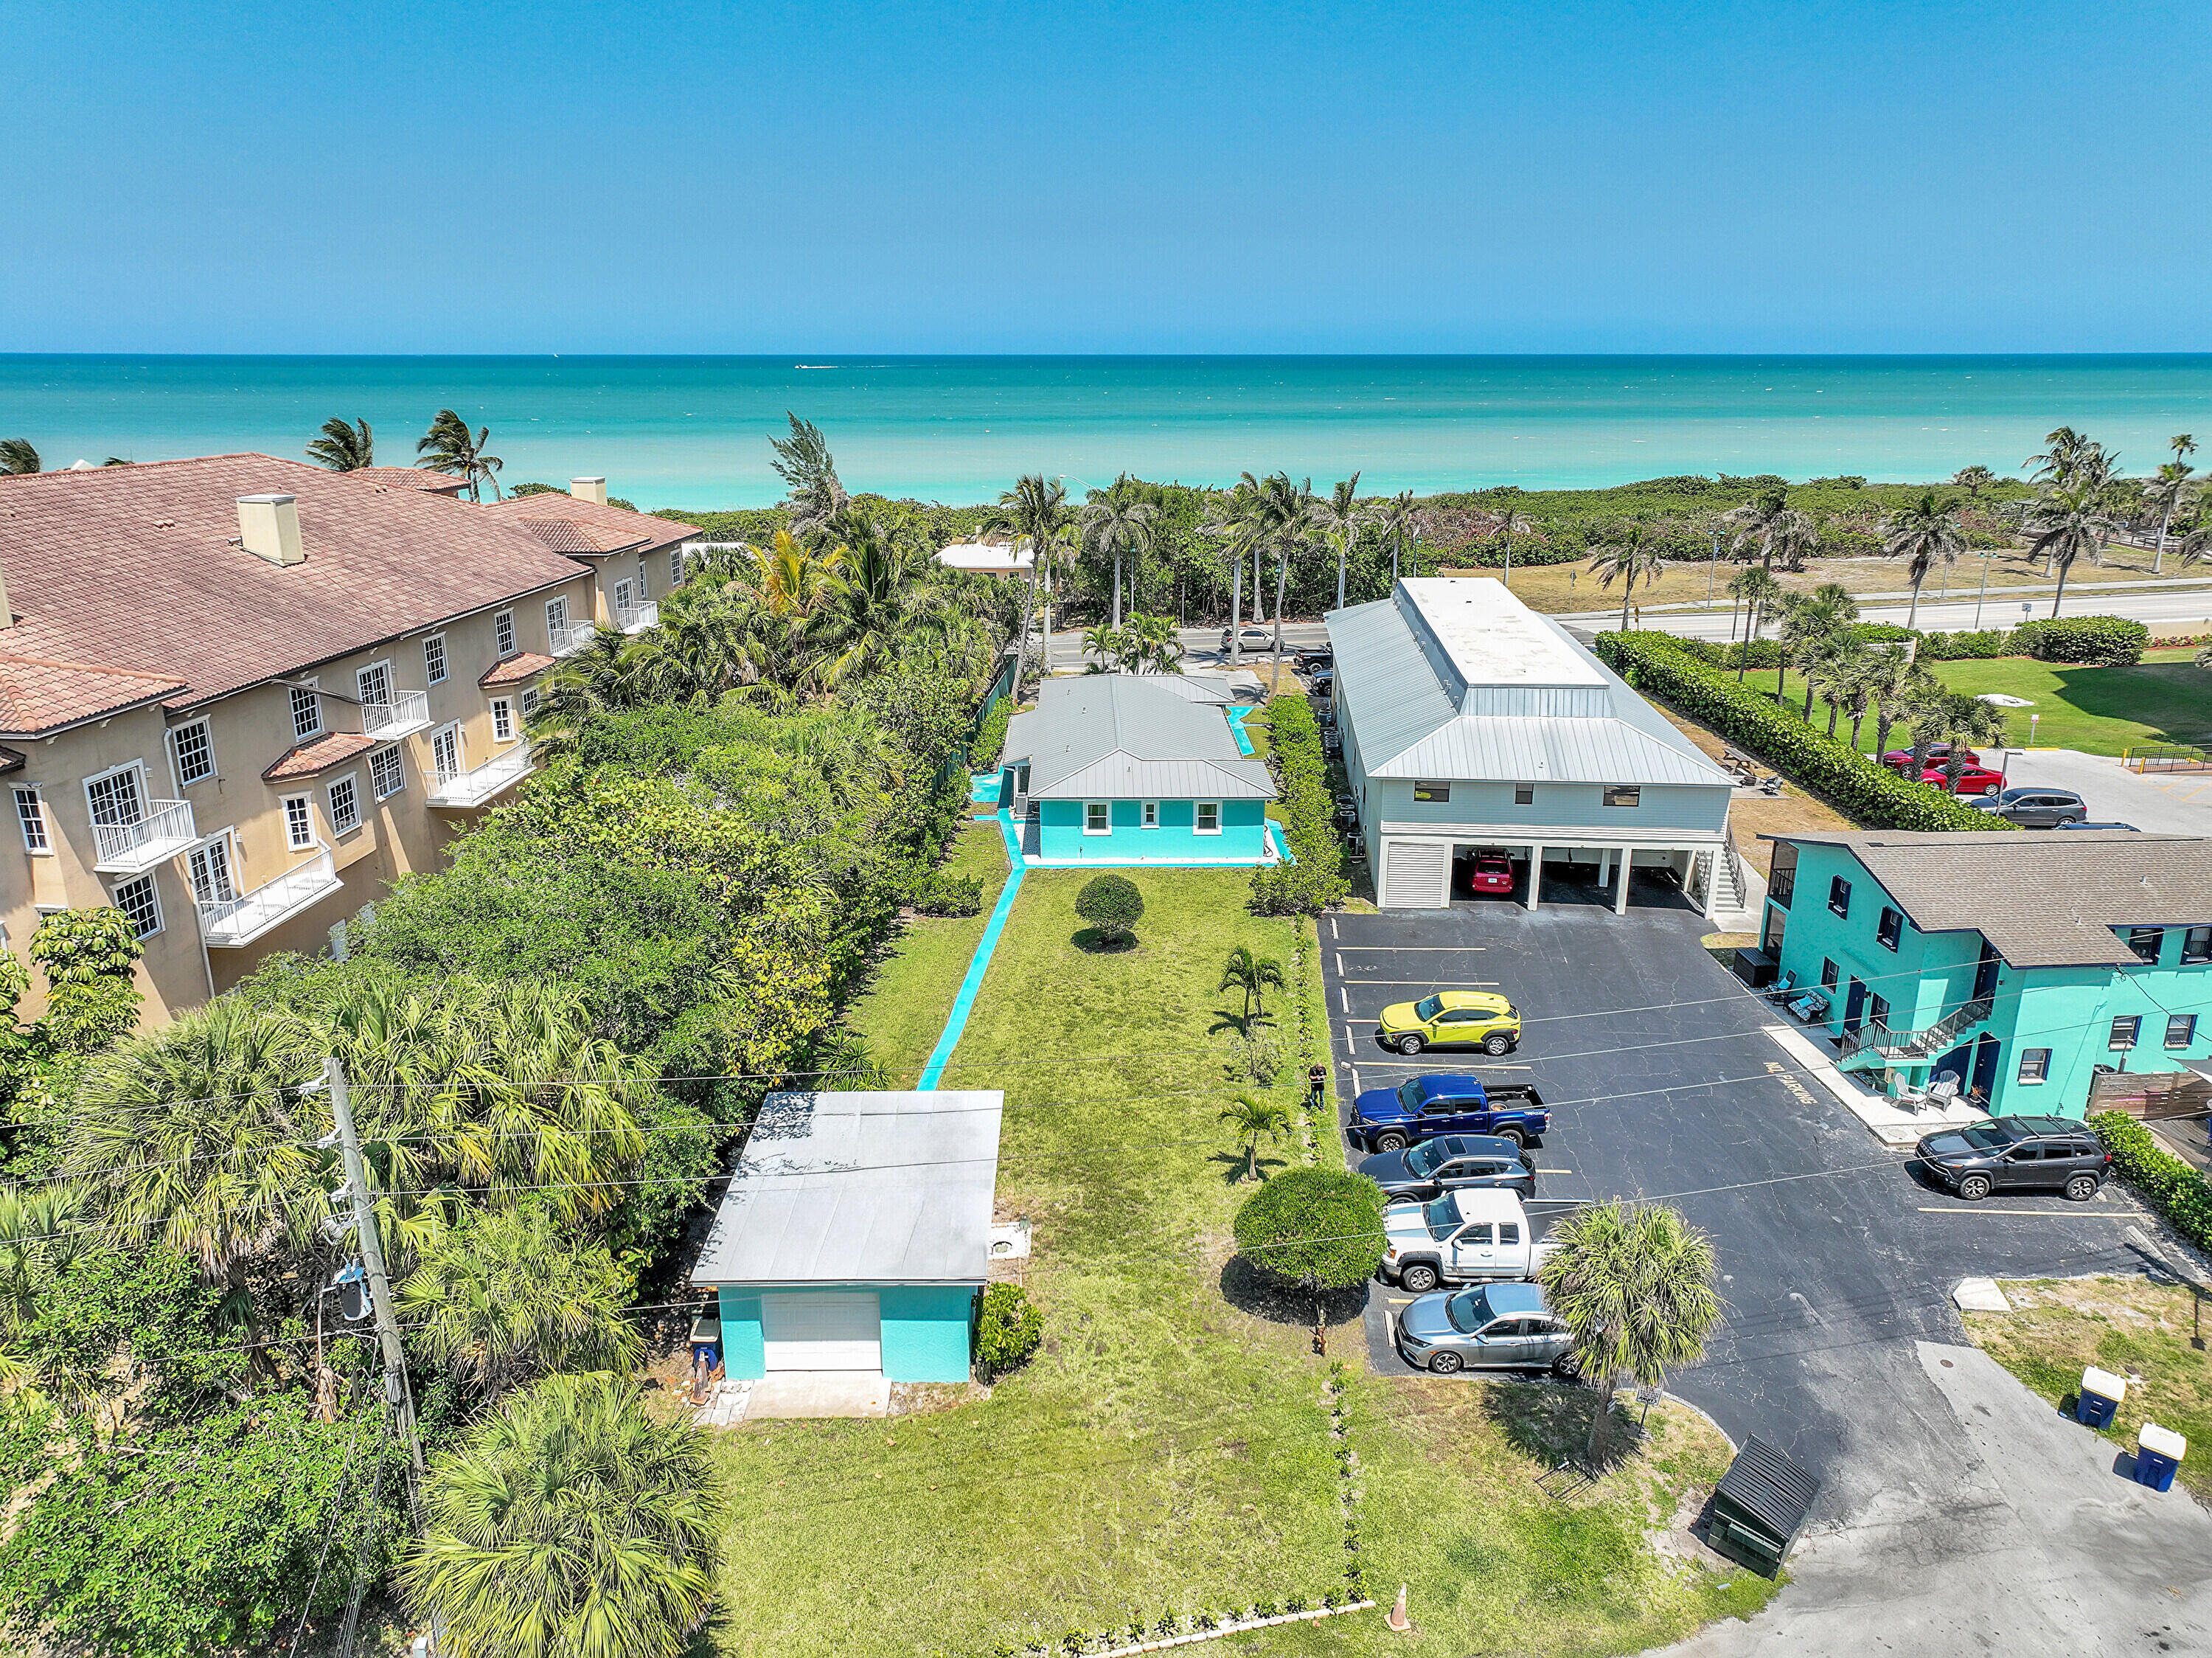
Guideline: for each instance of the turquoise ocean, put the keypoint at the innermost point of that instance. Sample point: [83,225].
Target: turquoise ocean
[693,431]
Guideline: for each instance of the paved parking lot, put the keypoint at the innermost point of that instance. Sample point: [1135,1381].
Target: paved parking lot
[1663,1083]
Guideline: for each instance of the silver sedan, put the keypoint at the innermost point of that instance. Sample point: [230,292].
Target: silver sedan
[1493,1327]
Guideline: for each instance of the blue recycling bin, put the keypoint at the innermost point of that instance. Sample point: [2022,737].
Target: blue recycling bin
[2099,1401]
[2159,1452]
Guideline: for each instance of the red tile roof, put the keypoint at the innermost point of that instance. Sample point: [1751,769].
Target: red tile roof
[134,569]
[406,478]
[319,754]
[515,669]
[571,526]
[37,695]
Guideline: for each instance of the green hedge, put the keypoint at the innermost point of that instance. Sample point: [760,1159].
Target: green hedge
[1965,647]
[1656,663]
[1316,879]
[990,736]
[2104,641]
[2175,1190]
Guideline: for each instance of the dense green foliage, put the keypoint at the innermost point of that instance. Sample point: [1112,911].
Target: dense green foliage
[938,893]
[1317,1229]
[1008,1328]
[990,737]
[1655,664]
[2106,641]
[1112,904]
[2175,1190]
[1312,878]
[85,957]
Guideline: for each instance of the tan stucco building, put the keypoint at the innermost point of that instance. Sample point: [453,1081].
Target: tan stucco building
[240,695]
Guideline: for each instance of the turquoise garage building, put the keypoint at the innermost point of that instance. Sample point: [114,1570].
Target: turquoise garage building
[854,1234]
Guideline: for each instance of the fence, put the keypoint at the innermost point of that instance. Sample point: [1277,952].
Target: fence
[2166,757]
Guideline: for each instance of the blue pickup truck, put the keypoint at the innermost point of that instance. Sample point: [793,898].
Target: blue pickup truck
[1390,1119]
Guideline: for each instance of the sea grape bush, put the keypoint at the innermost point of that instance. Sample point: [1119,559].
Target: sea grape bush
[1315,880]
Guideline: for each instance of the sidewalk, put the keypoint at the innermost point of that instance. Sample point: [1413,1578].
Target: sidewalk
[1890,1123]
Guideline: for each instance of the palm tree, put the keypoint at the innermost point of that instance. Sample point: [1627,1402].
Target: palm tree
[1105,643]
[1769,526]
[1634,553]
[1118,521]
[1400,527]
[1815,626]
[1342,514]
[817,499]
[1634,1282]
[2168,491]
[17,458]
[573,1520]
[342,448]
[453,451]
[1973,480]
[2063,453]
[1253,1121]
[2066,522]
[1900,691]
[1250,973]
[1157,648]
[1035,511]
[1757,590]
[1237,519]
[1924,534]
[1510,522]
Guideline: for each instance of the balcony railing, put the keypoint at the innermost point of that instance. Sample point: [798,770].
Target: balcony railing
[408,712]
[475,787]
[1909,1046]
[227,923]
[568,641]
[130,849]
[636,619]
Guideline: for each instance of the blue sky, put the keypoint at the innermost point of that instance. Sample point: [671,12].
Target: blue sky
[1084,177]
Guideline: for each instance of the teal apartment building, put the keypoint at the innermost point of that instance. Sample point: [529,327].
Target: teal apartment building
[854,1236]
[1122,769]
[2019,963]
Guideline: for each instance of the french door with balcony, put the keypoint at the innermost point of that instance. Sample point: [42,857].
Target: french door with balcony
[116,799]
[446,753]
[375,683]
[211,868]
[623,602]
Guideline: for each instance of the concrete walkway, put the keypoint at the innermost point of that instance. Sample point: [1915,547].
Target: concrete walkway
[2004,1528]
[979,965]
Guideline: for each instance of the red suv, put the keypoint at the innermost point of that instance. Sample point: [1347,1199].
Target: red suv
[1493,872]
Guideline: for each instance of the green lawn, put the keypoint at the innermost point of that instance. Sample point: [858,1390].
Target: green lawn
[2100,710]
[1170,1451]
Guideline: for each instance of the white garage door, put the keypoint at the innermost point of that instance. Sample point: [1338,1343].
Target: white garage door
[1416,874]
[823,1330]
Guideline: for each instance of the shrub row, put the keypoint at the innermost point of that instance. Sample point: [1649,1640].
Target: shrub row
[1316,879]
[938,893]
[1656,663]
[990,736]
[2107,641]
[2175,1190]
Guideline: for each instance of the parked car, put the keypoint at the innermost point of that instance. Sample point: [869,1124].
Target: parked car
[1308,661]
[2129,827]
[2036,808]
[1900,759]
[1463,1237]
[1492,871]
[2017,1154]
[1499,1327]
[1251,637]
[1972,780]
[1428,1169]
[1443,1102]
[1451,1019]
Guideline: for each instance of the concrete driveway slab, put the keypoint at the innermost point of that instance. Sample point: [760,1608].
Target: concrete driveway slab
[2175,803]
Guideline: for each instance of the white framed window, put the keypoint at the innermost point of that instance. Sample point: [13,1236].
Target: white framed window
[529,701]
[345,804]
[502,720]
[375,683]
[1624,793]
[299,823]
[1524,794]
[138,900]
[1208,818]
[387,773]
[191,754]
[434,659]
[1097,817]
[2035,1065]
[445,751]
[306,711]
[1437,792]
[212,882]
[117,796]
[556,621]
[31,814]
[642,593]
[621,599]
[1151,819]
[502,628]
[676,565]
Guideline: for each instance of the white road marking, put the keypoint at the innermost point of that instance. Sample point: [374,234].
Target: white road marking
[1983,1208]
[1339,964]
[1355,1080]
[1344,996]
[1332,926]
[1408,949]
[1477,983]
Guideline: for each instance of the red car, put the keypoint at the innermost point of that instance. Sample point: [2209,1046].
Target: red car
[1972,779]
[1900,759]
[1493,872]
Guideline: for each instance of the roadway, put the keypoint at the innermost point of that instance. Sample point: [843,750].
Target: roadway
[2176,610]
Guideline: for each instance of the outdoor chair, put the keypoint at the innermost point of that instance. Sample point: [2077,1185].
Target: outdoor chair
[1810,1008]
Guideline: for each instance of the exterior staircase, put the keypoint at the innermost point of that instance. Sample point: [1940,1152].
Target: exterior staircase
[1738,895]
[1872,1046]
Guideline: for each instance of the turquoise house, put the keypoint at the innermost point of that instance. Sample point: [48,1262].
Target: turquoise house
[854,1236]
[1120,769]
[2021,964]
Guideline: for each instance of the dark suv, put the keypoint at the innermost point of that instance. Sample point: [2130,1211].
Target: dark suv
[1449,1162]
[2017,1154]
[2037,808]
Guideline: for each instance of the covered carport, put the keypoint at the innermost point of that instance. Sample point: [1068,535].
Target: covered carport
[1414,870]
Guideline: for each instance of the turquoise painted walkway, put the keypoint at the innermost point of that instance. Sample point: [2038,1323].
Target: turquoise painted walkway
[956,1021]
[1236,718]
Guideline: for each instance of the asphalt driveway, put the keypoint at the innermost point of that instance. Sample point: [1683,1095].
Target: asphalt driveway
[1663,1083]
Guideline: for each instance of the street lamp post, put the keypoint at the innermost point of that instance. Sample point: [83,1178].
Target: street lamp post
[1982,593]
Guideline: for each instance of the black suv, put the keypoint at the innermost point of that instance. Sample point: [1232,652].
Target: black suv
[1450,1162]
[2017,1154]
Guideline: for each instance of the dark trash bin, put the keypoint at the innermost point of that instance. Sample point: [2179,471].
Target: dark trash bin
[2099,1401]
[2159,1452]
[1758,1506]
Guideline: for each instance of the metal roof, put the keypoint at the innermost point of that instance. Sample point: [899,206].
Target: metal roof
[2041,900]
[1131,736]
[1770,1487]
[859,1188]
[1401,709]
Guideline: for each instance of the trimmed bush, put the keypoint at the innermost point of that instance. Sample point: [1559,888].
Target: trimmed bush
[1317,1228]
[1112,904]
[1316,879]
[990,736]
[940,894]
[2104,641]
[1965,647]
[2174,1189]
[1656,663]
[1008,1328]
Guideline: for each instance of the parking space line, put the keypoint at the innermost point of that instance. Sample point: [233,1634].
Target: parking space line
[1416,949]
[1344,995]
[1415,1064]
[1481,983]
[2058,1214]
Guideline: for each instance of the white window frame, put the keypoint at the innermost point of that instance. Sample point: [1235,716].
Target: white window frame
[502,719]
[450,733]
[557,621]
[391,683]
[1198,811]
[434,667]
[43,847]
[137,768]
[176,752]
[1432,792]
[643,593]
[378,758]
[502,634]
[2034,1066]
[311,690]
[1149,815]
[299,826]
[350,781]
[153,892]
[622,599]
[204,857]
[676,565]
[1105,810]
[529,701]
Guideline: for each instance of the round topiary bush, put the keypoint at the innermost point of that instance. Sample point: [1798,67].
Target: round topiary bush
[1317,1229]
[1112,904]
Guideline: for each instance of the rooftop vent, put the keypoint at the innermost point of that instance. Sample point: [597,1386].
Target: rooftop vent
[589,488]
[269,527]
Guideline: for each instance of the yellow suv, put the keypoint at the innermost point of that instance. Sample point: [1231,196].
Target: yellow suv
[1452,1019]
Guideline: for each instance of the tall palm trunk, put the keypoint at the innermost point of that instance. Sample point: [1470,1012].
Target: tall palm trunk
[1282,580]
[1743,652]
[1117,588]
[1258,581]
[2164,524]
[1343,558]
[1913,610]
[1626,588]
[1509,561]
[1021,642]
[1236,608]
[2058,598]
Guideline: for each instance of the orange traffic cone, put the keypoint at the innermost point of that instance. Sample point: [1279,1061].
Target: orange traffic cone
[1396,1618]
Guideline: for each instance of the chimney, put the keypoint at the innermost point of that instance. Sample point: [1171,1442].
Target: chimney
[269,527]
[589,488]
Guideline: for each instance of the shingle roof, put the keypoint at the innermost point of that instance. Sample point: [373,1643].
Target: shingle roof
[2045,900]
[587,528]
[134,568]
[515,669]
[407,478]
[859,1188]
[1130,736]
[38,696]
[320,754]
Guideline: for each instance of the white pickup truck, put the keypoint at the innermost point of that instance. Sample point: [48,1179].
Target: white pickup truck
[1466,1236]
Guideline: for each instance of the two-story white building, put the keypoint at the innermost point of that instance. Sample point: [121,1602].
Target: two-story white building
[1471,723]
